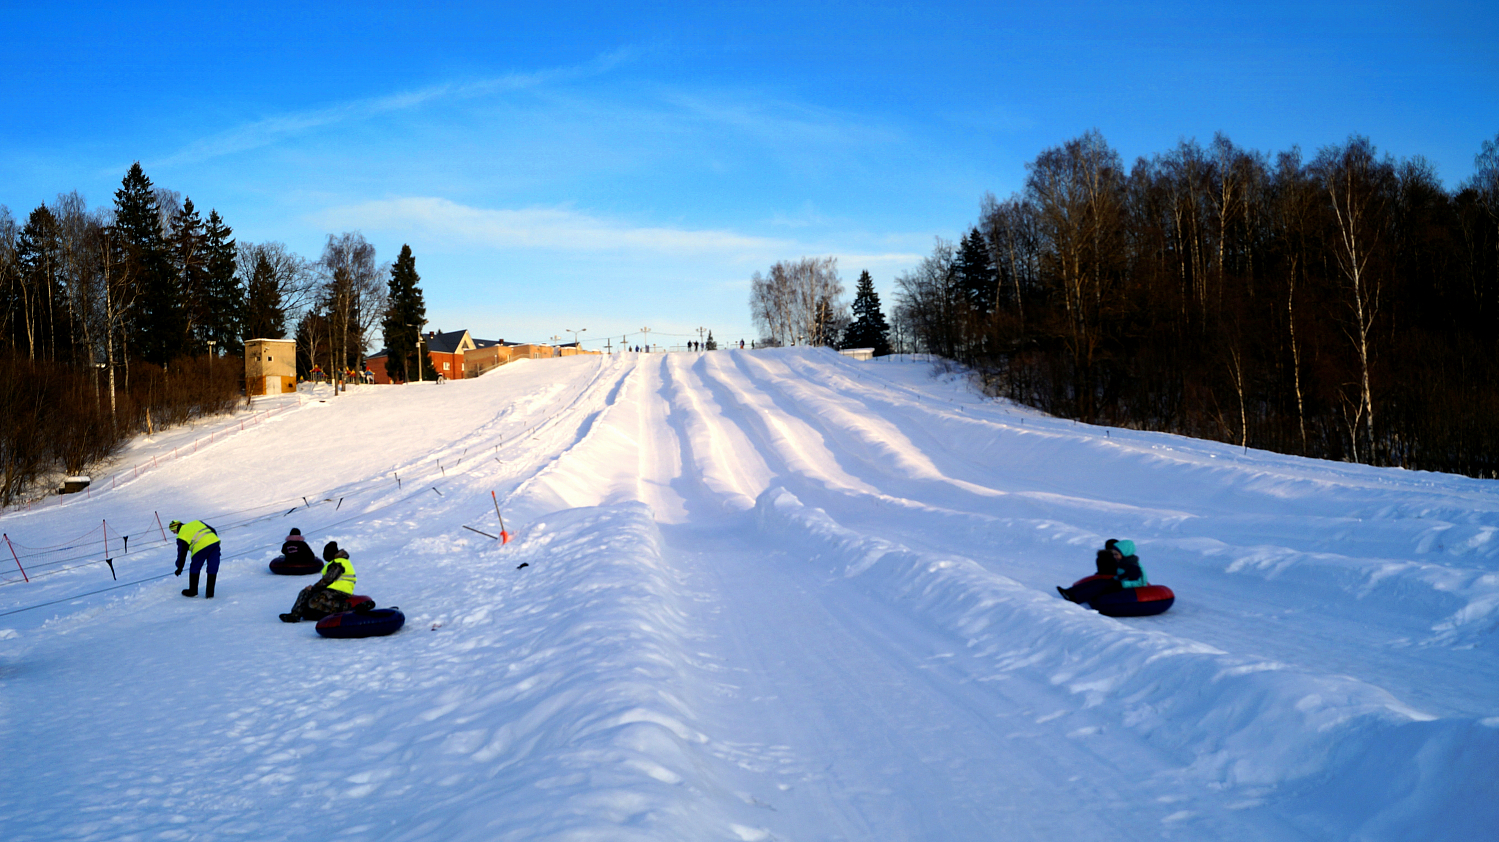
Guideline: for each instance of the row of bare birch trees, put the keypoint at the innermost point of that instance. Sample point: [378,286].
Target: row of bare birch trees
[1340,307]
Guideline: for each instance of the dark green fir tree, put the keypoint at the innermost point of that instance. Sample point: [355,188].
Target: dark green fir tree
[189,250]
[39,317]
[225,294]
[868,329]
[158,325]
[264,310]
[975,272]
[404,317]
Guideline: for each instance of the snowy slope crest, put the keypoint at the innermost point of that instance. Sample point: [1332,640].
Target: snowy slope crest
[1234,722]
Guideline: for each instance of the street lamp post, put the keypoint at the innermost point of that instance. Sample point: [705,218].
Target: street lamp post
[647,332]
[700,332]
[577,345]
[418,351]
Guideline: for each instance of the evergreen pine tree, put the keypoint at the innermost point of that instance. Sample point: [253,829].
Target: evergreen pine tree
[711,344]
[975,270]
[264,312]
[41,322]
[157,326]
[189,248]
[225,293]
[404,317]
[869,329]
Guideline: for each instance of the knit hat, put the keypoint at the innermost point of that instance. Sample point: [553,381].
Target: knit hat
[1125,547]
[330,550]
[296,531]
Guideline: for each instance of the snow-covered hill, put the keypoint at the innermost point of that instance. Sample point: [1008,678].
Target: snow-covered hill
[751,596]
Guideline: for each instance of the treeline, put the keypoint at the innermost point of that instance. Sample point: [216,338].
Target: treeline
[119,319]
[1342,307]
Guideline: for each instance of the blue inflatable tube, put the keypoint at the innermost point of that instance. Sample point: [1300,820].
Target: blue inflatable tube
[373,623]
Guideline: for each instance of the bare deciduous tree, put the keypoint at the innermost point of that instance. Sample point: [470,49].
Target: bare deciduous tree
[353,294]
[800,302]
[1358,187]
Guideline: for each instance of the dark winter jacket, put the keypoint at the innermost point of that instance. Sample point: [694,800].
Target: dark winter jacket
[296,549]
[1127,570]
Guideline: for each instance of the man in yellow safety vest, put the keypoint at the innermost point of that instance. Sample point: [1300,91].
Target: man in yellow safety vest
[330,594]
[199,540]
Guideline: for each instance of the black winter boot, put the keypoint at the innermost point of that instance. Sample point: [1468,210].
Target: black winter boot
[192,585]
[208,591]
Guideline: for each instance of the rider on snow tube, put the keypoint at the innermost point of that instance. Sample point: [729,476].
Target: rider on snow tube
[1118,568]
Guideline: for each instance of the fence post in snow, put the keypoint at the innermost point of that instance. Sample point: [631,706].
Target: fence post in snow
[17,558]
[504,536]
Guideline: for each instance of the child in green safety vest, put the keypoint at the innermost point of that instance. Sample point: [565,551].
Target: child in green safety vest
[328,595]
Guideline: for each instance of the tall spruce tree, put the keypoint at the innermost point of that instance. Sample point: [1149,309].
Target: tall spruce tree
[158,323]
[265,312]
[42,326]
[869,329]
[189,248]
[976,276]
[403,320]
[225,294]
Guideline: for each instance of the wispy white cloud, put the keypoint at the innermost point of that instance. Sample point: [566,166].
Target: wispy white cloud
[276,128]
[455,226]
[460,226]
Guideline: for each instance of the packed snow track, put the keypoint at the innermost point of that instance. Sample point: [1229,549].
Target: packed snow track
[768,595]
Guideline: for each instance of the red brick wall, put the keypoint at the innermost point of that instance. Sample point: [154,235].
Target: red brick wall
[450,366]
[377,368]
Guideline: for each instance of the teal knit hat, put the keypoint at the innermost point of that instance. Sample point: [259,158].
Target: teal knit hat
[1125,547]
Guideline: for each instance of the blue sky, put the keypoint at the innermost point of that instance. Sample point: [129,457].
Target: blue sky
[563,165]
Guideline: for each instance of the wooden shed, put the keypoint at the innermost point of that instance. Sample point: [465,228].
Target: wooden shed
[270,366]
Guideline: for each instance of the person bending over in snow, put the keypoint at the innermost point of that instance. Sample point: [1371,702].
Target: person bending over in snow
[1117,560]
[328,595]
[296,548]
[202,542]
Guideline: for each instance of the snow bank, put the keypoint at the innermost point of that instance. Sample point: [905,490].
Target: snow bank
[1235,722]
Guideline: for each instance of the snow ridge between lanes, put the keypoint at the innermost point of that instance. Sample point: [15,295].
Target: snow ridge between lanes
[1233,721]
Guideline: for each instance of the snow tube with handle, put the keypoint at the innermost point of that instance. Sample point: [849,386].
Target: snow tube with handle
[1131,602]
[370,622]
[280,565]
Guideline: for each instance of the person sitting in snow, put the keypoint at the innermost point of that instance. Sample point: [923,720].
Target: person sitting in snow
[1117,561]
[328,595]
[295,547]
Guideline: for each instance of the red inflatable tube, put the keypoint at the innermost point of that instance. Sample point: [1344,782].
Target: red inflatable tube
[1131,602]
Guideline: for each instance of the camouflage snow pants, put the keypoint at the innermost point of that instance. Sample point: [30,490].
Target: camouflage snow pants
[316,604]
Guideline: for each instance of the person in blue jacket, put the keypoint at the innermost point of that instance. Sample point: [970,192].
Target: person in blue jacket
[1117,560]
